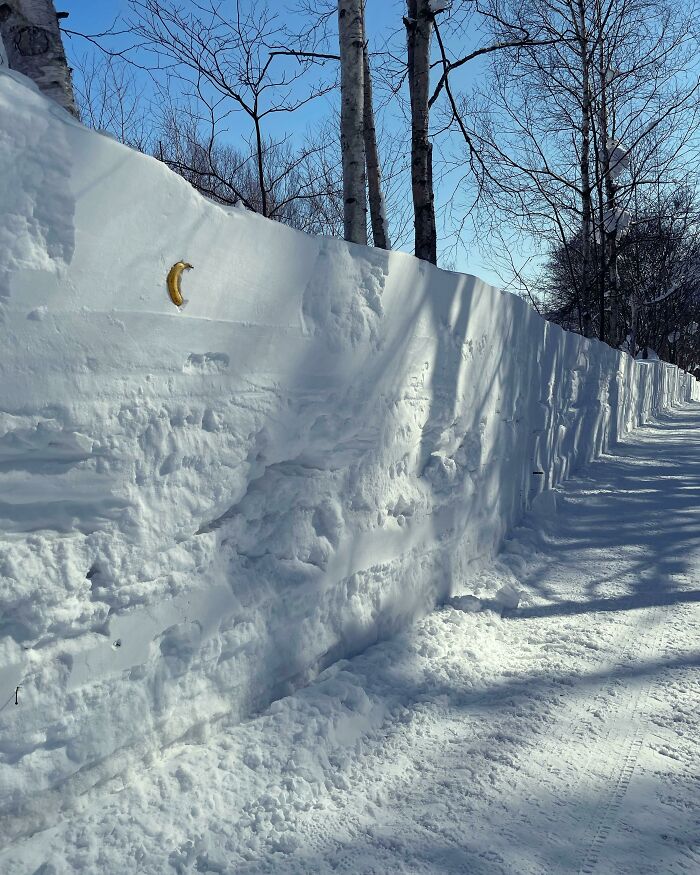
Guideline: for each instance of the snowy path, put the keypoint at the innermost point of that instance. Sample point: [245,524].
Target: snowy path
[559,738]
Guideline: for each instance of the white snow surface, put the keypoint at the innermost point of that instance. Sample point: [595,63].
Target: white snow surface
[558,737]
[203,508]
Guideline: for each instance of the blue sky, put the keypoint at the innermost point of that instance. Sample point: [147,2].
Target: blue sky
[383,18]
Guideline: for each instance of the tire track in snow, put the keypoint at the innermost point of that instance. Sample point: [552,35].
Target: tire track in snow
[496,746]
[611,810]
[632,713]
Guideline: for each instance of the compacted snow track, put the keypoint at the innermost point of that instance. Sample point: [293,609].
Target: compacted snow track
[560,736]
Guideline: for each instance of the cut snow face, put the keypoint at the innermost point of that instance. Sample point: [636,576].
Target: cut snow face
[557,735]
[202,507]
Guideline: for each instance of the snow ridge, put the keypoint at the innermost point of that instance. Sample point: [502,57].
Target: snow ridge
[203,508]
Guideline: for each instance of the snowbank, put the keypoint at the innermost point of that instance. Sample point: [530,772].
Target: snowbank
[202,508]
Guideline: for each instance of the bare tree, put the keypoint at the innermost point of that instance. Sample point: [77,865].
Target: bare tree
[110,100]
[301,187]
[352,105]
[356,86]
[419,25]
[377,203]
[658,276]
[237,69]
[3,53]
[571,131]
[31,36]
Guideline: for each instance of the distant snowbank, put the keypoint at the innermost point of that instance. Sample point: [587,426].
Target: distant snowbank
[202,507]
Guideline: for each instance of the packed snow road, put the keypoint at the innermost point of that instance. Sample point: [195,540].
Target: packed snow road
[559,737]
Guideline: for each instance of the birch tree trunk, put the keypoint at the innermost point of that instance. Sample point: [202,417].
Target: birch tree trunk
[587,270]
[377,205]
[611,248]
[32,38]
[352,141]
[419,25]
[3,54]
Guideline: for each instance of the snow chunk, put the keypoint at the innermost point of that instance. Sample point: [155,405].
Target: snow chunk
[509,596]
[470,604]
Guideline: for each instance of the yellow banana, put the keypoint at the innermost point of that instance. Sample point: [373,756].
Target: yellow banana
[173,281]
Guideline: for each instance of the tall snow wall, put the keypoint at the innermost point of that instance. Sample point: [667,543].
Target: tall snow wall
[201,508]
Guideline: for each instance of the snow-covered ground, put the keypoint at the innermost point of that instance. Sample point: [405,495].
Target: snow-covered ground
[560,737]
[202,509]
